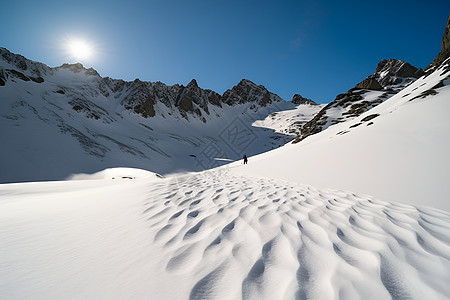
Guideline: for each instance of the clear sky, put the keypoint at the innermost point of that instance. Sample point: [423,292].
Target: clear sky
[315,48]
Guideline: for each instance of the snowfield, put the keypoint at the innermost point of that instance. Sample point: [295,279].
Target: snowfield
[400,155]
[357,211]
[216,235]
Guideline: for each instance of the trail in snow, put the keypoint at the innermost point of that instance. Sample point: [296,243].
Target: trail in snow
[216,235]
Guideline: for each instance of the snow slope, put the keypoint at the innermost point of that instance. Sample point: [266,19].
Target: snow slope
[55,122]
[401,155]
[216,235]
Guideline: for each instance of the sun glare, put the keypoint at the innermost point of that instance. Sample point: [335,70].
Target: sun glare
[80,49]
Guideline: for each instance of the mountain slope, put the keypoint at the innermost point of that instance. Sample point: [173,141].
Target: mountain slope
[390,77]
[55,122]
[397,151]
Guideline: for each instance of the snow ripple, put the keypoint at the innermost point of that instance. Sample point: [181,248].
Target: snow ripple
[214,235]
[267,239]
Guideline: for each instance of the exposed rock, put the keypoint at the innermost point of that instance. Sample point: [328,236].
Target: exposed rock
[430,92]
[20,62]
[246,91]
[77,67]
[370,84]
[445,50]
[389,71]
[298,99]
[390,77]
[370,117]
[37,79]
[2,78]
[215,99]
[19,75]
[140,99]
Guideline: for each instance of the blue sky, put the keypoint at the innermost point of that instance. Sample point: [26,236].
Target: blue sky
[315,48]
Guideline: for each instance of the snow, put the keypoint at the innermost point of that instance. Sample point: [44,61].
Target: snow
[283,121]
[215,235]
[44,138]
[401,157]
[353,212]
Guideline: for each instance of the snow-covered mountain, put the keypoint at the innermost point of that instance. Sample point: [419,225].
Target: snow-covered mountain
[352,212]
[390,77]
[59,121]
[397,151]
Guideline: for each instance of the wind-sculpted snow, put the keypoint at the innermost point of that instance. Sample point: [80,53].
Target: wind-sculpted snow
[214,235]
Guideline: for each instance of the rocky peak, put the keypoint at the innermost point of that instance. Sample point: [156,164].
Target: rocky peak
[298,99]
[369,83]
[392,74]
[445,46]
[23,64]
[246,91]
[445,49]
[141,97]
[389,72]
[192,84]
[78,67]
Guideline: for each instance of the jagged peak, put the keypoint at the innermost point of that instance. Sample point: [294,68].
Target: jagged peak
[299,99]
[246,82]
[192,84]
[78,67]
[23,63]
[445,50]
[397,67]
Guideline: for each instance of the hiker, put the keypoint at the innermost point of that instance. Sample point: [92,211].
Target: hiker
[245,159]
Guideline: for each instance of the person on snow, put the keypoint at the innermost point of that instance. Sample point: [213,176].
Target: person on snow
[245,159]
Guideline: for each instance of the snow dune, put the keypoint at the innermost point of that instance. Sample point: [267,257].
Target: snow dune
[216,235]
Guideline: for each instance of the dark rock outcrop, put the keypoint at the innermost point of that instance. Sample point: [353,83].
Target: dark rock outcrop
[445,50]
[298,99]
[246,91]
[393,72]
[193,99]
[390,77]
[369,84]
[140,100]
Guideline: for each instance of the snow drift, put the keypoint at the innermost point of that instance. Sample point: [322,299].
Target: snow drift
[216,235]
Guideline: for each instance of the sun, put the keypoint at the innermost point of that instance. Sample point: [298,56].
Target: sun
[79,49]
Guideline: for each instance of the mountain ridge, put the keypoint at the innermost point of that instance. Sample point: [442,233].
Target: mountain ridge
[389,78]
[190,100]
[82,122]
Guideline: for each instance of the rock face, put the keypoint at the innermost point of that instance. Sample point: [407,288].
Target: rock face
[390,77]
[370,84]
[246,91]
[395,73]
[139,97]
[298,99]
[445,50]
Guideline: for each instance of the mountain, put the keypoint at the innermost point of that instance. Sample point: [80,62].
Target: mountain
[56,122]
[445,50]
[298,99]
[390,77]
[396,151]
[352,212]
[143,98]
[357,211]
